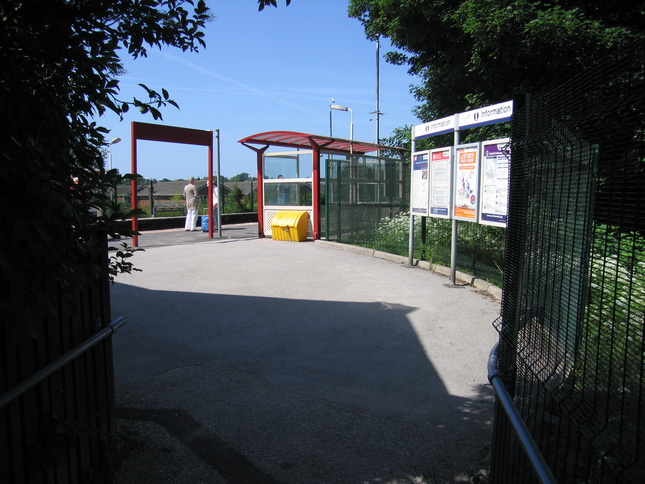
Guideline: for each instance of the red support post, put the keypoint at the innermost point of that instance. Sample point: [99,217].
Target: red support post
[211,187]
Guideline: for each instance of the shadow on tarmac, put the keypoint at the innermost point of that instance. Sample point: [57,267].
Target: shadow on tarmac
[304,389]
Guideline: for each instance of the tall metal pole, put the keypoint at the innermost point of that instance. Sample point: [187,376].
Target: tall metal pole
[411,235]
[152,198]
[453,239]
[378,110]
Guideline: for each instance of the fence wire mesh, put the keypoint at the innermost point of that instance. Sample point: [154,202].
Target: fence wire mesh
[367,203]
[573,311]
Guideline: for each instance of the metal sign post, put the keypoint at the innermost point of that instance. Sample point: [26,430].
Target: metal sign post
[453,232]
[411,235]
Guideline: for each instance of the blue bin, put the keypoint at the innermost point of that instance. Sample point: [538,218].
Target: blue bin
[204,223]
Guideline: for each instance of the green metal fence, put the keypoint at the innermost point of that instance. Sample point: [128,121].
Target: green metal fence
[367,201]
[572,331]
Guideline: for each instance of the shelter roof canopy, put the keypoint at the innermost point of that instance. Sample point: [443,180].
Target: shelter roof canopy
[294,139]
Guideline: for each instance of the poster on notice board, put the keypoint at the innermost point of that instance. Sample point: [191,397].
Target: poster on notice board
[466,182]
[419,192]
[496,158]
[439,197]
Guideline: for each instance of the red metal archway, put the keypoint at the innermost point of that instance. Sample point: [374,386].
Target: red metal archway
[170,134]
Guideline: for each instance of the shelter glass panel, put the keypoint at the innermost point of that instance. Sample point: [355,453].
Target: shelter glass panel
[358,193]
[294,164]
[284,192]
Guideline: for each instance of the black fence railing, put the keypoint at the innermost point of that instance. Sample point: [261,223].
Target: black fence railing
[505,402]
[572,330]
[36,378]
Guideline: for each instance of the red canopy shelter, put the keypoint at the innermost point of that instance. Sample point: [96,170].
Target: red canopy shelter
[318,144]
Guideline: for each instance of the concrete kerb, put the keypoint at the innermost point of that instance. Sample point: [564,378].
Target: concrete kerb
[485,286]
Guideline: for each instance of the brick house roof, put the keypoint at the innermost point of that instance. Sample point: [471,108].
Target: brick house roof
[172,188]
[126,190]
[245,186]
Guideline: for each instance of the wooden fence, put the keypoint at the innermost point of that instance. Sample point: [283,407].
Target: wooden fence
[62,430]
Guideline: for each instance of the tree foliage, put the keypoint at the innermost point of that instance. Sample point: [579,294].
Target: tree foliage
[234,200]
[242,177]
[60,66]
[272,3]
[471,53]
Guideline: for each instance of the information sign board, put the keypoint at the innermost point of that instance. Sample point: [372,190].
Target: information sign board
[439,197]
[435,128]
[496,156]
[419,189]
[496,113]
[466,182]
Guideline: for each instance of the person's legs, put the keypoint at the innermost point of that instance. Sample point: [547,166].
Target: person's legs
[191,220]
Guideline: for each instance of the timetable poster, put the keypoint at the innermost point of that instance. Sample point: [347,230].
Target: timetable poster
[440,162]
[419,195]
[466,187]
[496,157]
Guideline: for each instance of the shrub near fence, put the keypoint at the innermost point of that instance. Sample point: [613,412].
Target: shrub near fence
[480,248]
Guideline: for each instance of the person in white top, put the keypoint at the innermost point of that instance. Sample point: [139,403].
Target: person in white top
[215,205]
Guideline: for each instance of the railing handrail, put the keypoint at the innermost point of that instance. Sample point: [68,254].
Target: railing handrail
[61,361]
[533,453]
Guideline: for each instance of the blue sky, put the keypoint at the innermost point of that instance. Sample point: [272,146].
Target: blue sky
[262,71]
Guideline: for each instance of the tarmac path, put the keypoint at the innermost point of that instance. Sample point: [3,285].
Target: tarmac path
[253,360]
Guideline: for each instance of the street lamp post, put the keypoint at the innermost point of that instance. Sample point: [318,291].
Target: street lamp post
[338,107]
[113,142]
[113,189]
[377,113]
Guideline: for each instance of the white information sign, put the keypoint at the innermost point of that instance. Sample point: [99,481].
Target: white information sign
[440,164]
[419,195]
[435,128]
[466,182]
[496,113]
[496,156]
